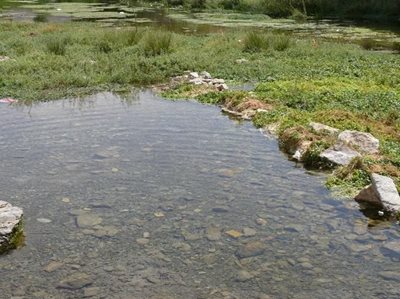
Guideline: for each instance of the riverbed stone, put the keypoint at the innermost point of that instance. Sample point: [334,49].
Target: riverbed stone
[91,292]
[75,281]
[251,249]
[365,142]
[392,247]
[53,266]
[84,220]
[249,232]
[243,276]
[213,233]
[340,154]
[10,226]
[205,75]
[390,275]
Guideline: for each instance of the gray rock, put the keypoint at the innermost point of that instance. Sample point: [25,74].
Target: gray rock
[339,154]
[221,87]
[369,196]
[386,191]
[321,128]
[87,220]
[393,247]
[251,249]
[218,81]
[205,75]
[241,60]
[53,266]
[390,275]
[243,276]
[91,292]
[10,225]
[365,142]
[249,232]
[196,81]
[193,75]
[75,281]
[213,233]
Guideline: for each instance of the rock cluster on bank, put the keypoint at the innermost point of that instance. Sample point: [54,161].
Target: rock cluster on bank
[382,193]
[350,144]
[204,78]
[10,226]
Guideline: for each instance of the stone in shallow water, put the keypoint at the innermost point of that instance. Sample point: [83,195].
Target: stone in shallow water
[53,266]
[213,233]
[87,220]
[243,276]
[249,232]
[10,225]
[390,275]
[75,281]
[251,249]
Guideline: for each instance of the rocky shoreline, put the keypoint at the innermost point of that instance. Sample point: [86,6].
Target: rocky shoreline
[345,146]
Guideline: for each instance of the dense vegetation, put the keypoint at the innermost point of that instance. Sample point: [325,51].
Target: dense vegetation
[354,9]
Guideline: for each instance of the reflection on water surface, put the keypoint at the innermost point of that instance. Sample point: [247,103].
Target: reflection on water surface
[147,198]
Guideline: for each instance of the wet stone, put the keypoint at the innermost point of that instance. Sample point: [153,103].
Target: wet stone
[251,249]
[249,232]
[213,233]
[53,266]
[142,241]
[91,292]
[261,221]
[87,220]
[220,209]
[75,281]
[390,275]
[243,276]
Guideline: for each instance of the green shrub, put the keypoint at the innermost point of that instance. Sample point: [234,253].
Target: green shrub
[57,45]
[157,43]
[368,44]
[281,42]
[255,42]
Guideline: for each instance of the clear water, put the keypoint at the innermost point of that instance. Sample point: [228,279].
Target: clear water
[106,170]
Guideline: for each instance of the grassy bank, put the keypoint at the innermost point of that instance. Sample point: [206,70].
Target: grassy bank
[341,85]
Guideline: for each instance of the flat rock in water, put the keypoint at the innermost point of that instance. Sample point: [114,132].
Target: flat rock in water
[87,220]
[251,249]
[10,220]
[213,233]
[75,281]
[392,247]
[365,142]
[386,191]
[390,275]
[339,154]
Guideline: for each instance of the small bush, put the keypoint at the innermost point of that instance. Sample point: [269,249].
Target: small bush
[255,42]
[368,44]
[157,43]
[281,42]
[57,45]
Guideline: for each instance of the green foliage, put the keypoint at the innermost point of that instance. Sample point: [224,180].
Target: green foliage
[157,43]
[57,45]
[256,42]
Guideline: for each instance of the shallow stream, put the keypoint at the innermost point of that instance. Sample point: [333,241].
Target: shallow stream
[146,198]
